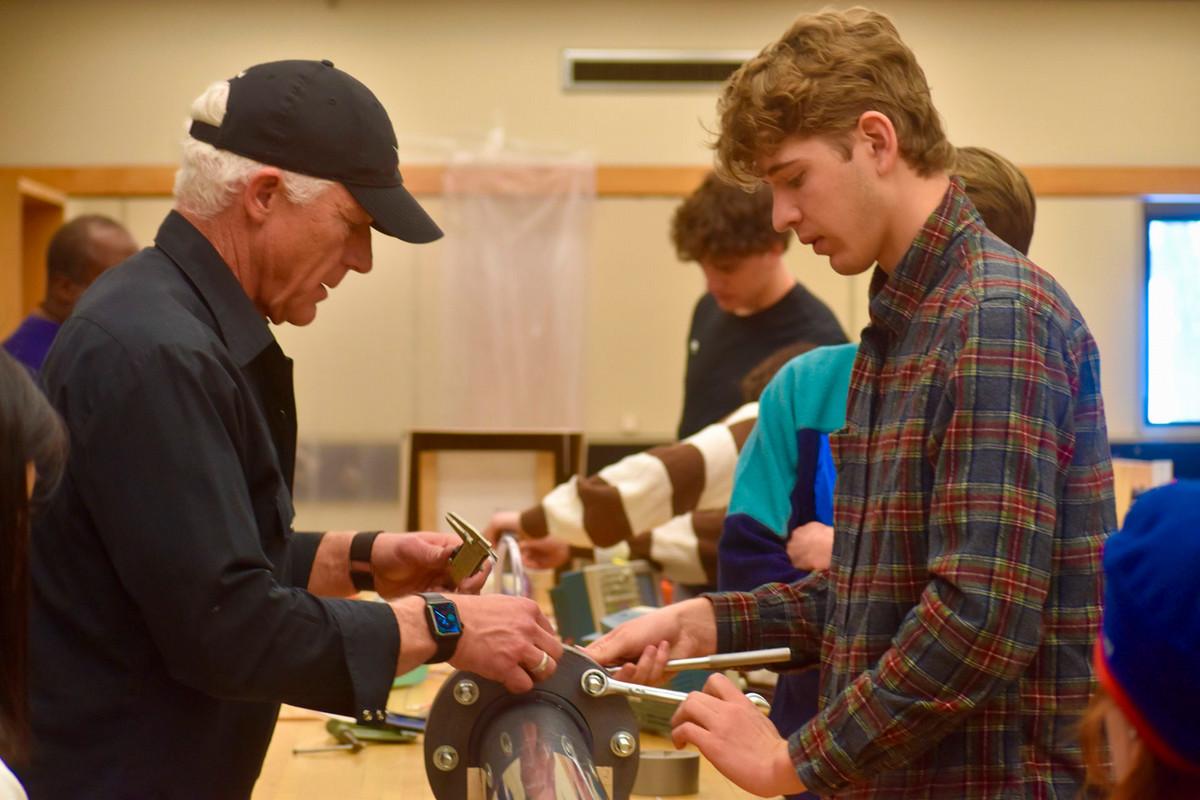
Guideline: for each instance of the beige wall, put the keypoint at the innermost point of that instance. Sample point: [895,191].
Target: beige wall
[1072,82]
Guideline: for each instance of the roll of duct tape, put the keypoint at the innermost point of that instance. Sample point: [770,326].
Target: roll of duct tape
[668,772]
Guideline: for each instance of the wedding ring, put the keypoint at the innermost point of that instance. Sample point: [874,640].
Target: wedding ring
[541,665]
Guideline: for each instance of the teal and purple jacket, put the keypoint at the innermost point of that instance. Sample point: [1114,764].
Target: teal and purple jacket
[784,478]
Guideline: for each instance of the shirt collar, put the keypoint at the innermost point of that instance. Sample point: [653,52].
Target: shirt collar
[241,326]
[896,297]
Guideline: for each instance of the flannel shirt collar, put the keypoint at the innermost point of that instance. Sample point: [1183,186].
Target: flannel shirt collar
[896,297]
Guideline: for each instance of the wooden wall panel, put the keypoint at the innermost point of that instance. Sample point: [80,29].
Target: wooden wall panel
[614,180]
[29,214]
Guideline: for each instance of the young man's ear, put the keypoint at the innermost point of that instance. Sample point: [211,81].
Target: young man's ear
[879,135]
[262,192]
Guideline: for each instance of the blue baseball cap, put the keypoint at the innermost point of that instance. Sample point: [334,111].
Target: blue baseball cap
[1148,654]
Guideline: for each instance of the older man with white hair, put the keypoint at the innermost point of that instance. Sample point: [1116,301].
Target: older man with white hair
[174,606]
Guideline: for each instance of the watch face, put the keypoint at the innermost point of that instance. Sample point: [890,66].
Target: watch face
[445,619]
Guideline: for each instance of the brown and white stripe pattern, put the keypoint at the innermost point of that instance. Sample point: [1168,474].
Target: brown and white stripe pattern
[654,494]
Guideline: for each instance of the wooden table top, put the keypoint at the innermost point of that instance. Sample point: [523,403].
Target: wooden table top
[392,771]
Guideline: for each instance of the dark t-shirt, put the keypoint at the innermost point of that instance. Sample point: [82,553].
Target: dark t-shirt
[723,347]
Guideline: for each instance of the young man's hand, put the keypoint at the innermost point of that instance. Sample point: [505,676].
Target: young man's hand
[503,522]
[810,546]
[737,738]
[549,552]
[680,630]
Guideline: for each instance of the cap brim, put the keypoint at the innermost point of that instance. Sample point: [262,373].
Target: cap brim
[396,213]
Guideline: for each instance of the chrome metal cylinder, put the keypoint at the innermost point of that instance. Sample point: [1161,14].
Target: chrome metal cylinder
[549,756]
[556,742]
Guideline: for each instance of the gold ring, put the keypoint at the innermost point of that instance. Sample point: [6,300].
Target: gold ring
[541,665]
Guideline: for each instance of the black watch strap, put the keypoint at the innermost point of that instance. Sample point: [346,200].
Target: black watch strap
[360,560]
[444,642]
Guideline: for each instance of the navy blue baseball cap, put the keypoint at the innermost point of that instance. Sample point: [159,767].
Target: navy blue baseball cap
[1148,655]
[310,117]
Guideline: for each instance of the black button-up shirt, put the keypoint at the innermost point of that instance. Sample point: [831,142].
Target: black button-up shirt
[169,616]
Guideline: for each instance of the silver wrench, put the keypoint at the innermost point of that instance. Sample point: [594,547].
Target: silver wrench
[597,683]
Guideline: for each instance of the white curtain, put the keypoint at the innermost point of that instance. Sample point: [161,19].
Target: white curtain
[513,281]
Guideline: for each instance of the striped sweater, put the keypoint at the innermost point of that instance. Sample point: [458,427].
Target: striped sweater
[665,505]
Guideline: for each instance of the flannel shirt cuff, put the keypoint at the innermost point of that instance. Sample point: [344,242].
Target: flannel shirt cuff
[815,755]
[736,615]
[770,616]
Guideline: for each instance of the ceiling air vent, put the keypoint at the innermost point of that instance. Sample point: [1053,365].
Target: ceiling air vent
[649,69]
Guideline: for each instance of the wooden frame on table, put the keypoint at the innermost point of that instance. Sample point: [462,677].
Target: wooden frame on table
[558,456]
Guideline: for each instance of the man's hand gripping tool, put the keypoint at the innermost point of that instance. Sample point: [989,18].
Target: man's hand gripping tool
[469,557]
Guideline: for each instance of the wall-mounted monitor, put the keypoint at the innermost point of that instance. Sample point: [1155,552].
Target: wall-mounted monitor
[1172,334]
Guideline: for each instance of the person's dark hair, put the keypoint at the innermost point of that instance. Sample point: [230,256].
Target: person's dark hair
[70,251]
[756,379]
[720,220]
[30,432]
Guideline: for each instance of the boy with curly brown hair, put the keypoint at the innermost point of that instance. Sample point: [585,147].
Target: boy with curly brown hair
[753,306]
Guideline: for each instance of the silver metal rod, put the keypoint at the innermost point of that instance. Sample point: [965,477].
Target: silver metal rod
[303,751]
[348,741]
[748,658]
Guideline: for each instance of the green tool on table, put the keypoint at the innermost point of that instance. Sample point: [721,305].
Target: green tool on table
[352,737]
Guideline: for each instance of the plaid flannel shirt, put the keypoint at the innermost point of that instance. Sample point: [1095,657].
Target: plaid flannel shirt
[974,493]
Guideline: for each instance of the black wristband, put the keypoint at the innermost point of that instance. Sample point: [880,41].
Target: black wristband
[360,560]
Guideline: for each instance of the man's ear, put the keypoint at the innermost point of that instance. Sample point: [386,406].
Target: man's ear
[63,290]
[877,131]
[262,192]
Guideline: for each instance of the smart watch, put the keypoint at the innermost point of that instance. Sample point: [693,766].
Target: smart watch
[441,615]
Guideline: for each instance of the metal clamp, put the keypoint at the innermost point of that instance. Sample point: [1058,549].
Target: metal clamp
[469,557]
[498,739]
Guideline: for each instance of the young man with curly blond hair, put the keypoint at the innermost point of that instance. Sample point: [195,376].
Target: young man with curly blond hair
[954,625]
